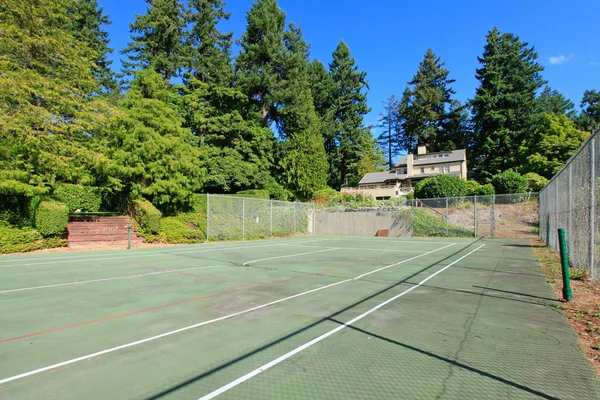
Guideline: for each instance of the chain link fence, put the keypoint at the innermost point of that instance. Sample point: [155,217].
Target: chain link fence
[570,201]
[238,218]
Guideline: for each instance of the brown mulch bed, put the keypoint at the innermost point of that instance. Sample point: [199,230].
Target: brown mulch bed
[583,311]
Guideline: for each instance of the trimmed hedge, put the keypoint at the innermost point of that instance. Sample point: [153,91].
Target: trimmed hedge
[510,182]
[254,194]
[18,240]
[78,197]
[147,216]
[51,218]
[183,228]
[441,186]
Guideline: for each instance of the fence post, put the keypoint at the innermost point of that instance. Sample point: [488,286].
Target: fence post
[294,218]
[474,216]
[314,218]
[412,227]
[556,210]
[446,217]
[570,208]
[493,227]
[592,145]
[243,218]
[271,219]
[207,217]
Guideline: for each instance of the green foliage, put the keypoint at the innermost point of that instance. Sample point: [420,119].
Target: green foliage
[441,186]
[277,192]
[183,228]
[410,195]
[509,182]
[326,196]
[51,218]
[388,122]
[476,189]
[505,108]
[199,203]
[78,197]
[147,216]
[19,240]
[254,194]
[536,182]
[589,119]
[553,102]
[428,225]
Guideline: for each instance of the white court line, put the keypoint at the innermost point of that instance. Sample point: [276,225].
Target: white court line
[124,346]
[297,350]
[372,239]
[126,256]
[360,248]
[291,255]
[107,279]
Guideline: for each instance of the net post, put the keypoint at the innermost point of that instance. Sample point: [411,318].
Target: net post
[570,208]
[592,144]
[243,218]
[564,262]
[207,217]
[474,216]
[446,217]
[271,219]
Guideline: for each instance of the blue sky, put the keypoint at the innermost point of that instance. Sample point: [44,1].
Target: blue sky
[388,38]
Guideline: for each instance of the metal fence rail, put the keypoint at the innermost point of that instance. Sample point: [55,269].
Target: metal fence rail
[570,201]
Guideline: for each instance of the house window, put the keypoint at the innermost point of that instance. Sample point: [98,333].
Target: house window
[422,170]
[433,168]
[447,169]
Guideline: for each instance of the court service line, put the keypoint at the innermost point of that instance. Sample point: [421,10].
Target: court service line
[297,350]
[292,255]
[108,279]
[126,256]
[127,345]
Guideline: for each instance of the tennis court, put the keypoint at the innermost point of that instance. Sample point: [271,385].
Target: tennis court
[296,318]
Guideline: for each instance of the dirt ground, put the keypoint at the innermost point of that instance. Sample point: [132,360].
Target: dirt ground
[583,311]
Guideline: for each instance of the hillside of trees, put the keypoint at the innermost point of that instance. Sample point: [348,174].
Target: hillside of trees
[186,116]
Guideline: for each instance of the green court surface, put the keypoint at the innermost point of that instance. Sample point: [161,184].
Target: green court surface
[297,318]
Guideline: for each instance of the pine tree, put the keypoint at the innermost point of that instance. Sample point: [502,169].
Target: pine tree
[457,129]
[505,107]
[304,163]
[349,107]
[260,56]
[553,102]
[589,118]
[87,21]
[426,102]
[157,158]
[157,39]
[388,122]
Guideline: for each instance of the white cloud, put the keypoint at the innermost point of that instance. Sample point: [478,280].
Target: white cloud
[562,59]
[594,63]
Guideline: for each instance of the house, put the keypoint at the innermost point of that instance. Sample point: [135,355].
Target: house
[411,169]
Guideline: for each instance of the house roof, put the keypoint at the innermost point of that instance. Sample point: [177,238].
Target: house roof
[453,156]
[379,177]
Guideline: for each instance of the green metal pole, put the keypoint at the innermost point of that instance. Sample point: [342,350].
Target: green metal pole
[129,237]
[564,260]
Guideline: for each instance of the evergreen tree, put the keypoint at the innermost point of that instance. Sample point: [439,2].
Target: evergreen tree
[259,59]
[87,25]
[457,130]
[589,118]
[426,102]
[349,106]
[157,39]
[304,163]
[157,158]
[505,107]
[388,122]
[553,102]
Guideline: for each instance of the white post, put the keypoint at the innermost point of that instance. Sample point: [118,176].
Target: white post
[592,145]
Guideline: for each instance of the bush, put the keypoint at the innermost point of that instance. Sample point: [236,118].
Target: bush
[278,192]
[441,186]
[254,194]
[475,189]
[326,196]
[147,216]
[18,240]
[183,228]
[536,181]
[410,195]
[51,218]
[509,182]
[429,225]
[199,203]
[78,197]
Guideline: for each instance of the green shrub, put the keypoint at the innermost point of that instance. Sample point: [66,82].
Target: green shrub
[34,203]
[429,225]
[509,182]
[78,197]
[441,186]
[183,228]
[410,195]
[536,181]
[18,240]
[326,196]
[147,216]
[254,194]
[475,189]
[278,192]
[51,218]
[199,203]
